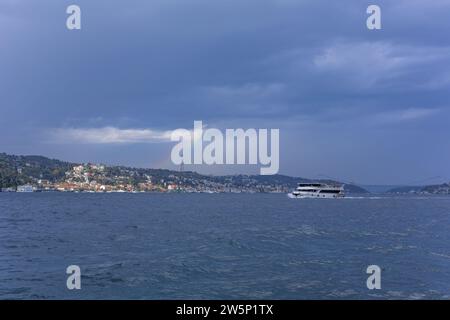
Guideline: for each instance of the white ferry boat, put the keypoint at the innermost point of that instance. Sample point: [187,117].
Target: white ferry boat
[317,190]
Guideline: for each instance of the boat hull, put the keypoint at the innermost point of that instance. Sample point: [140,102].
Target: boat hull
[307,195]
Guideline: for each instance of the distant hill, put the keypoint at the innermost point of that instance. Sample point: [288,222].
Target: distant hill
[19,170]
[431,189]
[378,188]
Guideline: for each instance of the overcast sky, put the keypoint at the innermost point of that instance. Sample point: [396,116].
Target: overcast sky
[367,106]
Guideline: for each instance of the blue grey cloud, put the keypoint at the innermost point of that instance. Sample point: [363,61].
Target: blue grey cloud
[311,68]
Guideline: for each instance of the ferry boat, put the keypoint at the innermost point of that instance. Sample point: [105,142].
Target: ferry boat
[317,190]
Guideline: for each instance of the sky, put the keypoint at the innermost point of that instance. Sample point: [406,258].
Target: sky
[368,106]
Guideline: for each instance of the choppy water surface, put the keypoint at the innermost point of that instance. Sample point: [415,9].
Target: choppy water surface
[223,246]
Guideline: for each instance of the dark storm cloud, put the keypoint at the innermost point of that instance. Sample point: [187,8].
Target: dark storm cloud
[152,66]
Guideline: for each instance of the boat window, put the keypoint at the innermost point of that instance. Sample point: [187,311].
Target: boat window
[330,191]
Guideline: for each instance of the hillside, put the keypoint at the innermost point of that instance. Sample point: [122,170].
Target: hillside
[443,188]
[38,170]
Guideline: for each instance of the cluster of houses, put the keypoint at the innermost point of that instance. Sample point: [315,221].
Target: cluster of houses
[98,178]
[92,178]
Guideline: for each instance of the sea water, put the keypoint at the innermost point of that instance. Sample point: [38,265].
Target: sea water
[223,246]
